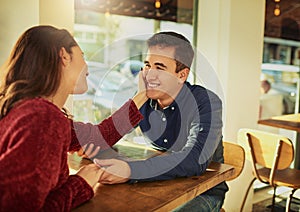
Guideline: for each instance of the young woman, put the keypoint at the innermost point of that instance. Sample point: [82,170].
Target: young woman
[45,66]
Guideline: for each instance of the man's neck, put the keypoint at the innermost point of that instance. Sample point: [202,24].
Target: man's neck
[167,101]
[164,103]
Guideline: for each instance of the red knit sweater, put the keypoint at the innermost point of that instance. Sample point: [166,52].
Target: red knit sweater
[34,140]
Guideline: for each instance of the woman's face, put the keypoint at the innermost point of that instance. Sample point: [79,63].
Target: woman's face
[78,71]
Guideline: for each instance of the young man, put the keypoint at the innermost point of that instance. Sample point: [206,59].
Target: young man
[183,120]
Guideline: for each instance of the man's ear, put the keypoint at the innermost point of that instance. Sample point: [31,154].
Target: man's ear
[183,74]
[64,56]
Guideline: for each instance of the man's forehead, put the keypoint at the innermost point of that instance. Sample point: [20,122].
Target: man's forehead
[161,51]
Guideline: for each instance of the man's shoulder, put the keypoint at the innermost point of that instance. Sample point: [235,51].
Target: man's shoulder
[195,87]
[201,91]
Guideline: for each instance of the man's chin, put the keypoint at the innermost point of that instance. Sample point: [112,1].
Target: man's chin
[152,94]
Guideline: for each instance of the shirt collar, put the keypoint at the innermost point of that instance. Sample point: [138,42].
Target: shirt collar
[154,105]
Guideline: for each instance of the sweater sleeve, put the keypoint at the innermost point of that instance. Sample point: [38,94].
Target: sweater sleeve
[109,131]
[36,173]
[75,187]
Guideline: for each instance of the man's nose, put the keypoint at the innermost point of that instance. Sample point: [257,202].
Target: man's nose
[152,74]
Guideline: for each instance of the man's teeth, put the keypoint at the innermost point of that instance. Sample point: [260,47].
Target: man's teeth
[153,85]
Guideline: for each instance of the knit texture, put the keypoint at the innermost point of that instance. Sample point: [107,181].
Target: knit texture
[34,140]
[109,131]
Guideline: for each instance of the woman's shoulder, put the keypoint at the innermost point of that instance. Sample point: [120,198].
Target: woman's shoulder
[37,107]
[36,117]
[38,104]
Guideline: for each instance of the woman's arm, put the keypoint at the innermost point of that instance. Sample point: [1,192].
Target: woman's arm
[109,131]
[34,168]
[112,129]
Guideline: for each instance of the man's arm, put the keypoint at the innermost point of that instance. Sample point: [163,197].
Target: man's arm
[204,137]
[192,160]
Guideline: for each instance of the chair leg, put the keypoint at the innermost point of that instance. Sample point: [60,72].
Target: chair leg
[273,198]
[246,195]
[289,200]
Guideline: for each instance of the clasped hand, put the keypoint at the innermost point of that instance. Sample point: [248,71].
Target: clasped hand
[114,171]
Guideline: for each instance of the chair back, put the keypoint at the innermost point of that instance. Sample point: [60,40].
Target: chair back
[268,150]
[234,155]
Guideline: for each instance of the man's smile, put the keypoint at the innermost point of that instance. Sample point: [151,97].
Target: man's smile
[152,85]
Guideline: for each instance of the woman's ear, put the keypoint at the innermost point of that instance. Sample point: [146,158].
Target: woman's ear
[64,56]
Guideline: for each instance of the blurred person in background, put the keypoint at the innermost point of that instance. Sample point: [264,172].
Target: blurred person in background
[270,102]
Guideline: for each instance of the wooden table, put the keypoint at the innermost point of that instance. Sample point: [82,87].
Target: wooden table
[289,122]
[152,196]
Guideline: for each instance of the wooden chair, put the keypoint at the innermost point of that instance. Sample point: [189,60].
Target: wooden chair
[271,155]
[234,155]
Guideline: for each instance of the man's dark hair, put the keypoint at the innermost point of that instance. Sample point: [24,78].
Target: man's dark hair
[184,52]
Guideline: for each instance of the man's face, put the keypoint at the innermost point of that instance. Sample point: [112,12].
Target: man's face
[162,82]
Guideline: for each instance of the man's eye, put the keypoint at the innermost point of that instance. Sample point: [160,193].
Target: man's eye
[147,67]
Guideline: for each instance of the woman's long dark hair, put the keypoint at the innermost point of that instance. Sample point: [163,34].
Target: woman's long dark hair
[34,66]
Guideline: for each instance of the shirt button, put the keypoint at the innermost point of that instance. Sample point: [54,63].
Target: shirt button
[165,140]
[172,108]
[164,119]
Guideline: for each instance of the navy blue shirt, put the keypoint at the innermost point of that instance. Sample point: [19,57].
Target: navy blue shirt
[189,130]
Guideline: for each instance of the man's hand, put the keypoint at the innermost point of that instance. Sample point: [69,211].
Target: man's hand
[88,151]
[116,171]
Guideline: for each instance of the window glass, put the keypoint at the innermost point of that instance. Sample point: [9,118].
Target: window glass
[114,48]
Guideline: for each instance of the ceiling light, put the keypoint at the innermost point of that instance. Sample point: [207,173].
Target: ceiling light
[277,10]
[157,4]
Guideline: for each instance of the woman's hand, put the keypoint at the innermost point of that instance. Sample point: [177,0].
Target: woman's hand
[88,151]
[90,173]
[140,98]
[142,81]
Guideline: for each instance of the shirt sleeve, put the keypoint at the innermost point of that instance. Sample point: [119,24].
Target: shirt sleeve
[109,131]
[33,178]
[205,133]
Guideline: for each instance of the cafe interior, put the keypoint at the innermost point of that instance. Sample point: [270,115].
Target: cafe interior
[239,43]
